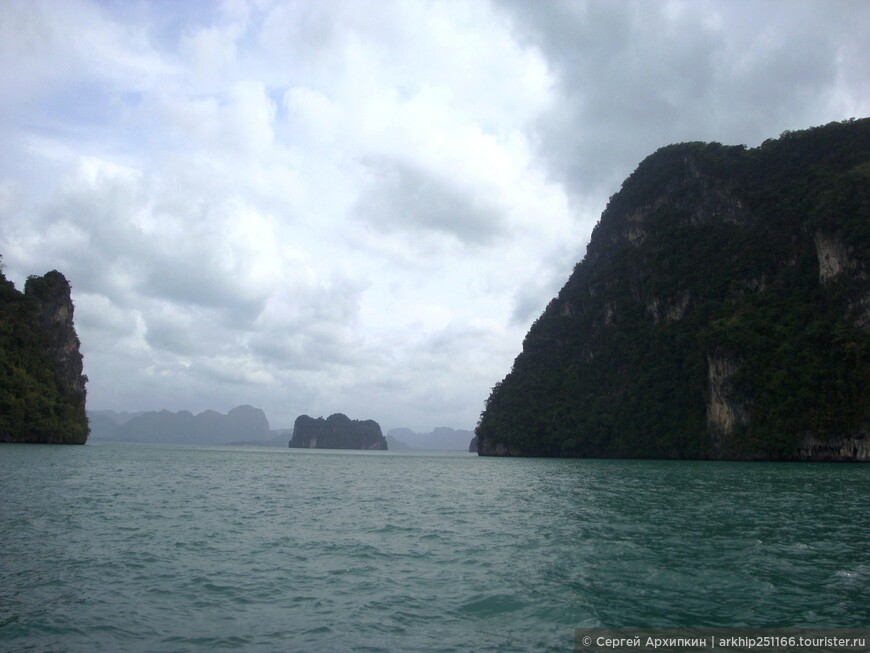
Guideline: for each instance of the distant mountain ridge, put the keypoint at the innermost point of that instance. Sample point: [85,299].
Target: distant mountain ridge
[242,423]
[441,438]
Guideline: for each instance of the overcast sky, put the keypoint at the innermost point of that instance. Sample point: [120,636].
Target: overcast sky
[348,206]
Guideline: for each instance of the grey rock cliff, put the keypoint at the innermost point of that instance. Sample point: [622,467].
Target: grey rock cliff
[55,310]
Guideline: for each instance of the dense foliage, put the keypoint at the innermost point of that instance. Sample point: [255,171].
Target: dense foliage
[707,253]
[36,402]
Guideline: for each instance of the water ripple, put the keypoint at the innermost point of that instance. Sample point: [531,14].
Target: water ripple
[136,548]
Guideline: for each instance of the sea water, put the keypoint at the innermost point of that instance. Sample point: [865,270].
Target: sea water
[163,548]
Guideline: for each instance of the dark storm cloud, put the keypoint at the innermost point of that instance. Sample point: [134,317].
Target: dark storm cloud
[634,76]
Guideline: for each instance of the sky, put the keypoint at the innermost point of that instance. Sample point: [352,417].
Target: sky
[361,206]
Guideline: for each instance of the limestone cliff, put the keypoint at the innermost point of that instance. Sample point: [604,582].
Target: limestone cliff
[337,432]
[722,311]
[725,411]
[42,387]
[54,316]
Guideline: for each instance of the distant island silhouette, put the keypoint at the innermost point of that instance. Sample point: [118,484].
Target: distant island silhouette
[243,424]
[337,431]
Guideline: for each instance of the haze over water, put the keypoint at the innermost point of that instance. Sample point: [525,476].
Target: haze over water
[140,548]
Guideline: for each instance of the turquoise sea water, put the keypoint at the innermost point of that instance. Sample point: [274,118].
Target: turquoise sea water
[141,548]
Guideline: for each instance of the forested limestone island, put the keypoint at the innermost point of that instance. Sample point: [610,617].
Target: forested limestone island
[337,432]
[42,388]
[722,311]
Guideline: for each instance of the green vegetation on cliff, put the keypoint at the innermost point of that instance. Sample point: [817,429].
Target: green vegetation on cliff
[42,389]
[722,310]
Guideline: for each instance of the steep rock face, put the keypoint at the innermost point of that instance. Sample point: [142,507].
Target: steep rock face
[725,412]
[54,316]
[42,387]
[721,311]
[833,256]
[337,432]
[849,447]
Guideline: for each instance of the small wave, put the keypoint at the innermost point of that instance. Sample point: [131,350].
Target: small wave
[487,606]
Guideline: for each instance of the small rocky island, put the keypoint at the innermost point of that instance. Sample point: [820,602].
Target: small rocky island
[337,432]
[42,387]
